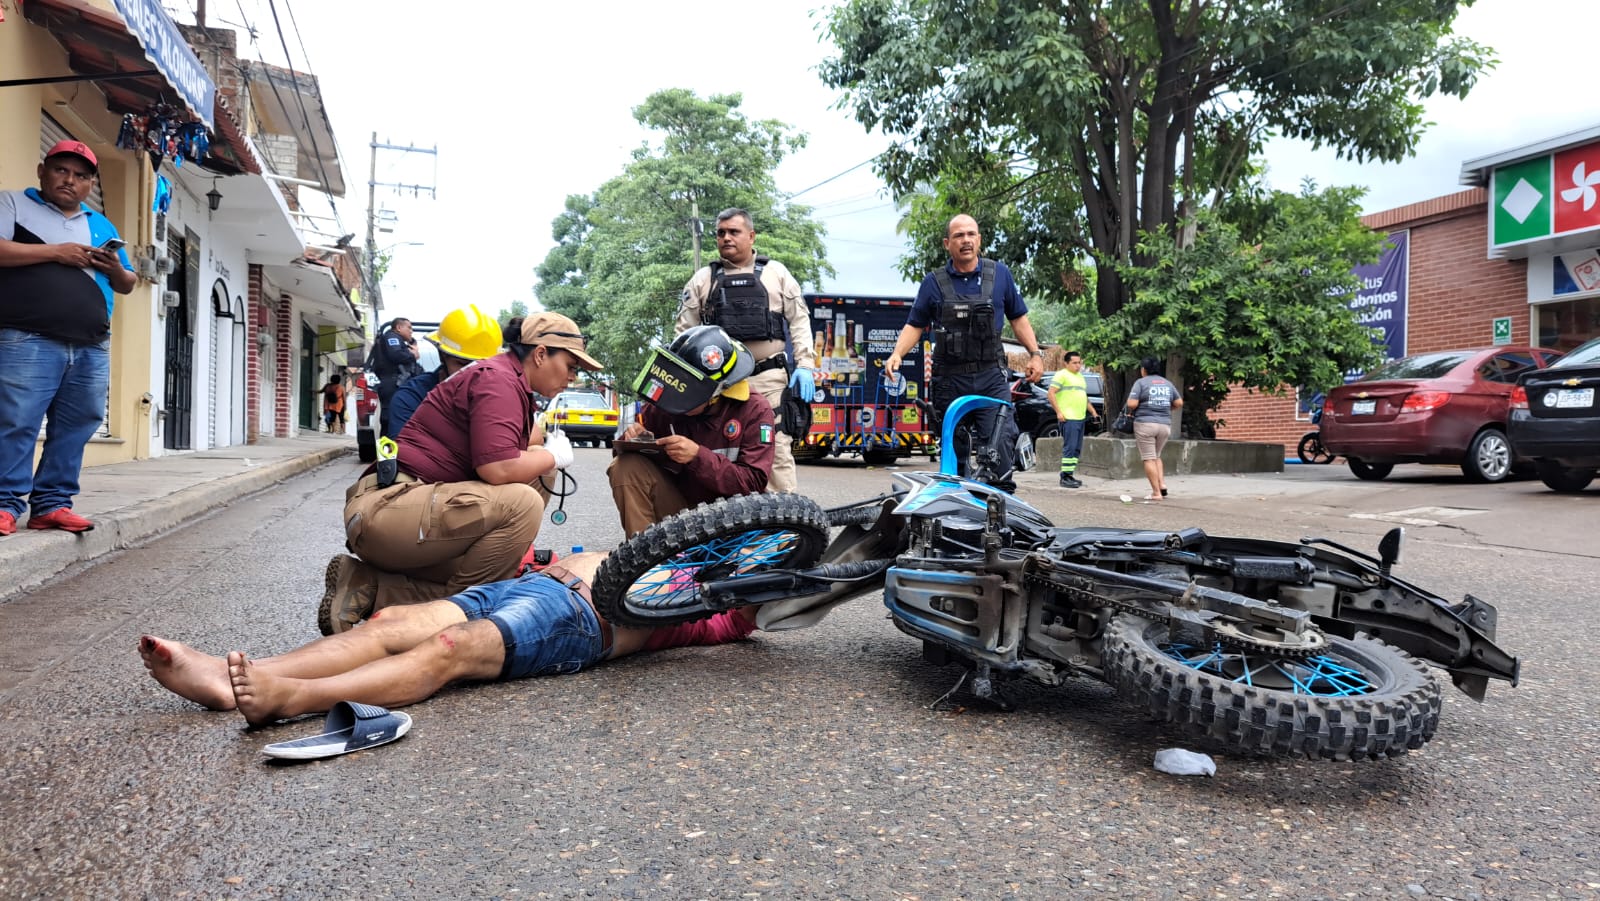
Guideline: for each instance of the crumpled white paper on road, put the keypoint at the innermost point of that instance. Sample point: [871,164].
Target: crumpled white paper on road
[1179,762]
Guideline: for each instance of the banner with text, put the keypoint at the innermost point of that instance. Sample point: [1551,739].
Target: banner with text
[1380,299]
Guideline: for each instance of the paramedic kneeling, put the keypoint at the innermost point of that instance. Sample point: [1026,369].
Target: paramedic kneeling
[462,509]
[713,435]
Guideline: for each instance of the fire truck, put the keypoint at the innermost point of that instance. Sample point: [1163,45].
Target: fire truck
[855,410]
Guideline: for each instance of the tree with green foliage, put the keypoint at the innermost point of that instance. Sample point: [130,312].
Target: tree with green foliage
[1111,120]
[1257,304]
[508,313]
[624,253]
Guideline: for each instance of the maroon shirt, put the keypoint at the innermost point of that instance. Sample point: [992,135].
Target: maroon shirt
[482,414]
[736,451]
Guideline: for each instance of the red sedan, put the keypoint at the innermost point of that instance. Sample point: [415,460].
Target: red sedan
[1445,407]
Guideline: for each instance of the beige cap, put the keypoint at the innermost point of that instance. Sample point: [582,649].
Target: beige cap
[557,331]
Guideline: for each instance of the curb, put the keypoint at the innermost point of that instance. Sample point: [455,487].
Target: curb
[30,560]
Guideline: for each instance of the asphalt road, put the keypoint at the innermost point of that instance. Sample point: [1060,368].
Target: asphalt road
[801,764]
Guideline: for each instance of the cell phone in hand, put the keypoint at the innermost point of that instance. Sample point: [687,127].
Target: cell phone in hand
[113,244]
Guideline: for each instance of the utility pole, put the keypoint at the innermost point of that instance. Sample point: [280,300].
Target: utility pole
[369,271]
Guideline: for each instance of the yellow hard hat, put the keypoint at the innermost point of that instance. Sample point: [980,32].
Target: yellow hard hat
[467,333]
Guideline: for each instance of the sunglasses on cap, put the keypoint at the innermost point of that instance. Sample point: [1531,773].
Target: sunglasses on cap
[584,339]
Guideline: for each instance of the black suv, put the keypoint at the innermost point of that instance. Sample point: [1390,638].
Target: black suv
[1037,419]
[1555,419]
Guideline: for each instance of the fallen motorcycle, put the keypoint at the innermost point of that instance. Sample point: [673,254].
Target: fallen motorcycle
[1269,647]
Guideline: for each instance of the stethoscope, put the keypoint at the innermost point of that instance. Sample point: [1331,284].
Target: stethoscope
[569,485]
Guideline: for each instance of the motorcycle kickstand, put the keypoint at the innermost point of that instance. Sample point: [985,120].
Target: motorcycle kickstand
[983,689]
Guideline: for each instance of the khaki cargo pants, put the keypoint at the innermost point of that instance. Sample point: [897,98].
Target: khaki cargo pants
[432,540]
[645,493]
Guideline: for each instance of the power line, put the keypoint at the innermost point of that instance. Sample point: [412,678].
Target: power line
[845,172]
[305,117]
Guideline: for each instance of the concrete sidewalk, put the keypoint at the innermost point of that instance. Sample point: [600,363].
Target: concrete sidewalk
[130,502]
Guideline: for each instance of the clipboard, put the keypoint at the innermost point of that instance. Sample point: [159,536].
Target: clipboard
[644,443]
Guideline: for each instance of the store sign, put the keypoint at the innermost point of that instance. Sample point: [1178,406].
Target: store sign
[1557,194]
[1380,301]
[165,47]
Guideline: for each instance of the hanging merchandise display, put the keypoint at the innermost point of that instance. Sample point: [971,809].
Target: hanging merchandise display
[163,198]
[164,131]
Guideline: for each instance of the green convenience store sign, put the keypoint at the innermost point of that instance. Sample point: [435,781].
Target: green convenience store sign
[1546,196]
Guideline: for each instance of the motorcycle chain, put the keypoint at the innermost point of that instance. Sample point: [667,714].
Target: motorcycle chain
[1226,633]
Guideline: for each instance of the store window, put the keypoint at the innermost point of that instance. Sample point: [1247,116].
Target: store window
[1566,324]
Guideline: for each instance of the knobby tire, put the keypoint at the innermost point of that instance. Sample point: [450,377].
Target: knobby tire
[1381,702]
[653,578]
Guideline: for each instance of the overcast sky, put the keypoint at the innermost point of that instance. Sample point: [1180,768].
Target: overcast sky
[533,102]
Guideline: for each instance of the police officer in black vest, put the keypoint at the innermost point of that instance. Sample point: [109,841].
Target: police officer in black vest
[758,303]
[967,303]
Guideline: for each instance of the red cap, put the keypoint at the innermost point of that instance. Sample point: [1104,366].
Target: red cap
[76,148]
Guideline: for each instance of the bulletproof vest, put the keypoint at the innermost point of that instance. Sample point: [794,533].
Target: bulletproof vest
[738,303]
[965,339]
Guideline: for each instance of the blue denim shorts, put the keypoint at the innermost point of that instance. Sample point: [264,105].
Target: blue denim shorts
[548,629]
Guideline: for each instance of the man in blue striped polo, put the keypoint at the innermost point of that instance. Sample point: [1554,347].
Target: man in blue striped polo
[60,263]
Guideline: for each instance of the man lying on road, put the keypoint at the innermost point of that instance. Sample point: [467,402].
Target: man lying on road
[536,625]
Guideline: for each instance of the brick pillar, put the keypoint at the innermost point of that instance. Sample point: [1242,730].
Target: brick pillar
[286,406]
[254,317]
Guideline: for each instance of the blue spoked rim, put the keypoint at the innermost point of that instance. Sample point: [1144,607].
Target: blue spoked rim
[676,582]
[1322,676]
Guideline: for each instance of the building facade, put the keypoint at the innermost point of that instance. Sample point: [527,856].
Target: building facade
[231,327]
[1515,259]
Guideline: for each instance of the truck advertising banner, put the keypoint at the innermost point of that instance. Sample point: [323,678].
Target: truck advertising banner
[855,410]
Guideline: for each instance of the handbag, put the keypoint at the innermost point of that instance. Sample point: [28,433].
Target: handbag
[1123,423]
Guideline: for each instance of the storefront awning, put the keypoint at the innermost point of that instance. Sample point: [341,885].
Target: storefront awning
[165,46]
[1476,172]
[102,48]
[100,44]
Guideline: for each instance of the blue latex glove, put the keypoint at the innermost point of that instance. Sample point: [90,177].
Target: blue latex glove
[803,384]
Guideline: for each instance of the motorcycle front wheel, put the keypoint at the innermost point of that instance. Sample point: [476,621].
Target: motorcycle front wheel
[1360,699]
[654,578]
[1311,449]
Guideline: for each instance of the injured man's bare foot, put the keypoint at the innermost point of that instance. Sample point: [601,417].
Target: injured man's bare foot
[188,673]
[262,698]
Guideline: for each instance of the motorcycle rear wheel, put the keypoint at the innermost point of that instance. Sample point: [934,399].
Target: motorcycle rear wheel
[1361,699]
[654,578]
